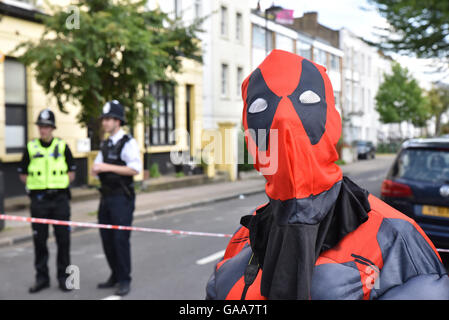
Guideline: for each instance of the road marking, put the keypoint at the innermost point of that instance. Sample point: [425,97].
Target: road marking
[374,178]
[113,297]
[212,257]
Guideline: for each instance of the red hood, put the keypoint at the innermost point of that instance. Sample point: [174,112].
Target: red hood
[291,98]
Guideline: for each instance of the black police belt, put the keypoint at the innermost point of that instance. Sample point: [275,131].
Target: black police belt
[48,194]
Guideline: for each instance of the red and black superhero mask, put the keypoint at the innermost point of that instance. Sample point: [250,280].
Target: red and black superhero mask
[292,130]
[293,98]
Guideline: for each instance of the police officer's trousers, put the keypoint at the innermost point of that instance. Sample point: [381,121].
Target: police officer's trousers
[55,207]
[117,210]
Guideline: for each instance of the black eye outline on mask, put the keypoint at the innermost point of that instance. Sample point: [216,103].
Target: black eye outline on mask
[313,119]
[259,123]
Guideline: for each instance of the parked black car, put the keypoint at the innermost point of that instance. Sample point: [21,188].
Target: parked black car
[418,186]
[365,149]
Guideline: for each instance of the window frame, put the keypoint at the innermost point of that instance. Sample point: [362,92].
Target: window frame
[24,106]
[239,27]
[160,93]
[224,21]
[224,80]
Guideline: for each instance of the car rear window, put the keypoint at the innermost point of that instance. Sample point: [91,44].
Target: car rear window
[430,165]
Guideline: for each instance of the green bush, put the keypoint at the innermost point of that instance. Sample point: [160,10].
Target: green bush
[392,147]
[180,174]
[154,171]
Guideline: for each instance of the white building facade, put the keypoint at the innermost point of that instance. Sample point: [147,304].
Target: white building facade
[363,70]
[284,38]
[226,47]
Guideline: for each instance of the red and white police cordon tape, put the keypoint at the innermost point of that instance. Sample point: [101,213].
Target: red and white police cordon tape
[110,226]
[115,227]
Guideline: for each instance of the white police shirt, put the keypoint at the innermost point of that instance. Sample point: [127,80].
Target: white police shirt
[130,153]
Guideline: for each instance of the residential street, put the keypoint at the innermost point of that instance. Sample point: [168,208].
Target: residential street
[164,266]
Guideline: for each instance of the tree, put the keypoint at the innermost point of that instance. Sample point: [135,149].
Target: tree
[418,27]
[114,51]
[438,98]
[400,98]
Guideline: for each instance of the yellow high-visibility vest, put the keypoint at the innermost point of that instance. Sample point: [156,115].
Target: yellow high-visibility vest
[48,167]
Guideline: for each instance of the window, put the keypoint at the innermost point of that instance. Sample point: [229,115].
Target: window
[284,42]
[337,98]
[430,165]
[355,61]
[319,56]
[362,63]
[335,63]
[15,106]
[370,100]
[355,98]
[224,21]
[239,80]
[197,9]
[362,99]
[259,40]
[163,122]
[369,66]
[238,27]
[224,80]
[304,50]
[178,8]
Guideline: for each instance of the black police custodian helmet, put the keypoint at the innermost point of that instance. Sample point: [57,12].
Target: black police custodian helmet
[46,118]
[114,109]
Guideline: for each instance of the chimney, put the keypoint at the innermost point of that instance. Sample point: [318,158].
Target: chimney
[310,19]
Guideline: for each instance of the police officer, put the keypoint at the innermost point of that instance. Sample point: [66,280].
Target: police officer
[47,169]
[116,164]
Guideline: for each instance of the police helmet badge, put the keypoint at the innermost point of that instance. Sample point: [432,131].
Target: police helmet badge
[106,108]
[45,114]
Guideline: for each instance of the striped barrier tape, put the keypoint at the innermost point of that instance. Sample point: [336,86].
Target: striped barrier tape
[116,227]
[110,226]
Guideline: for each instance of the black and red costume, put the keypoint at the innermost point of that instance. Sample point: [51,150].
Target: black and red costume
[320,236]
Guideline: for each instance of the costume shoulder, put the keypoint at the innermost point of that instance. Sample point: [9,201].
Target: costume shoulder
[236,256]
[411,266]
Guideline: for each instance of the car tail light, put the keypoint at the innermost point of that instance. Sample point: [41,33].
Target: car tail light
[394,189]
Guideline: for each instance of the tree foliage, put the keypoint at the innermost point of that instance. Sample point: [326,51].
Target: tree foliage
[438,98]
[400,98]
[115,51]
[419,27]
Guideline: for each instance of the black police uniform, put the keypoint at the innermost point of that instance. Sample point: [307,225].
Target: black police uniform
[49,204]
[116,207]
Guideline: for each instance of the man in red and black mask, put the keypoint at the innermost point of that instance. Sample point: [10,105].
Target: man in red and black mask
[320,236]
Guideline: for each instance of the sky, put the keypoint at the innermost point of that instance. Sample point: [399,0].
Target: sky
[357,15]
[361,18]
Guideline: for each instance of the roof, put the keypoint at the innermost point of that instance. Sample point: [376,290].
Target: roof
[442,142]
[21,12]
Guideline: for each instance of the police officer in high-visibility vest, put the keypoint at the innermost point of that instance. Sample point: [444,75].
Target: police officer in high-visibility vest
[47,168]
[115,165]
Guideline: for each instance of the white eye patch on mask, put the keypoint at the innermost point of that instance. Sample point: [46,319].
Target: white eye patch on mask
[309,97]
[258,105]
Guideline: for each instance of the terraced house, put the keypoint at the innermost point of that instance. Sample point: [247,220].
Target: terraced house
[21,99]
